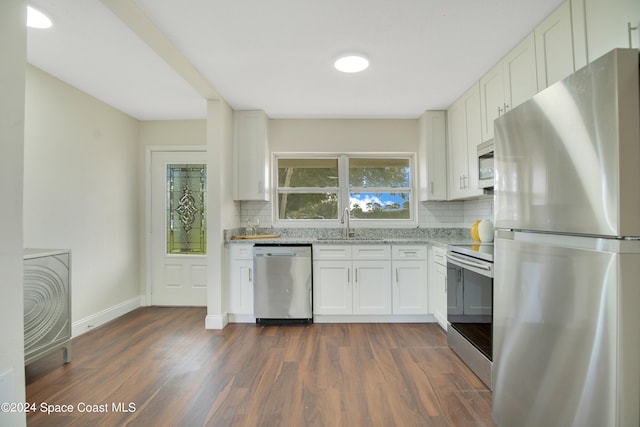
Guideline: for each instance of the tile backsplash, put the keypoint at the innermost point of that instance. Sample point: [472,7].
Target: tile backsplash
[459,214]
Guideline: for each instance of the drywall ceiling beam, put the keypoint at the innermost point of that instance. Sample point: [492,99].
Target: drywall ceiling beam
[134,17]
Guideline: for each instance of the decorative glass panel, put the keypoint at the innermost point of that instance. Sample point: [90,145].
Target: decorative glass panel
[186,209]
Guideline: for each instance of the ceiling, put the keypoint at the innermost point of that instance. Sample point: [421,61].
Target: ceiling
[161,59]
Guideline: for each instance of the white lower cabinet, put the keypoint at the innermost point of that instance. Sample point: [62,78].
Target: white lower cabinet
[332,292]
[370,280]
[409,277]
[351,279]
[372,287]
[241,281]
[438,285]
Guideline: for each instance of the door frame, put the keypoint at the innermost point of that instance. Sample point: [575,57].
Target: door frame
[150,149]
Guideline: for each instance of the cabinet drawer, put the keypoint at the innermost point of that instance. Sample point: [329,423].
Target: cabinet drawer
[409,252]
[440,256]
[373,252]
[241,251]
[331,252]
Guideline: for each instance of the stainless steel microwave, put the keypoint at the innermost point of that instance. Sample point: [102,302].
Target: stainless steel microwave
[485,165]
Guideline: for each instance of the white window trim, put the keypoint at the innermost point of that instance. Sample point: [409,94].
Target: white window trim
[343,192]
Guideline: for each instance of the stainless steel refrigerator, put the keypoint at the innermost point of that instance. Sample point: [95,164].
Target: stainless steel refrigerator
[567,252]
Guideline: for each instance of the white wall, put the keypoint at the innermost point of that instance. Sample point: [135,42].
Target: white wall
[343,136]
[81,191]
[362,136]
[13,47]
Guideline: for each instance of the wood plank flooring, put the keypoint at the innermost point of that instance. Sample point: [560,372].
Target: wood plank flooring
[167,370]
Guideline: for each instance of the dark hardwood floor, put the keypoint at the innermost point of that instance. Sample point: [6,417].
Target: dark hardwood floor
[162,366]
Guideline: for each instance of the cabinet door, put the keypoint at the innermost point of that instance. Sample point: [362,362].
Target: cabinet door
[372,287]
[251,156]
[607,25]
[410,294]
[332,290]
[439,294]
[457,160]
[492,99]
[241,287]
[371,252]
[554,47]
[331,252]
[520,74]
[473,128]
[432,156]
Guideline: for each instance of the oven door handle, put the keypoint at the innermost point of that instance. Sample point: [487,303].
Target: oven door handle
[467,262]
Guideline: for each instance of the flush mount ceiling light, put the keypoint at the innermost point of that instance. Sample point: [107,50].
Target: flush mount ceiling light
[351,63]
[37,19]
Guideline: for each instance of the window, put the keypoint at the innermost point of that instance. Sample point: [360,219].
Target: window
[308,188]
[316,189]
[379,188]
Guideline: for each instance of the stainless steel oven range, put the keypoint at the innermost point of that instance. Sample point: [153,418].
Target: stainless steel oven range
[470,306]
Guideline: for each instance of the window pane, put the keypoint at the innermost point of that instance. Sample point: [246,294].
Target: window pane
[308,206]
[186,215]
[378,172]
[307,173]
[379,205]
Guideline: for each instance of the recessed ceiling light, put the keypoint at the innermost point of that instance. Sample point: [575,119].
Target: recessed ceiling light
[37,19]
[351,64]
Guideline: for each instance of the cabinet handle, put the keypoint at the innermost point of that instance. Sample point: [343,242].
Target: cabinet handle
[251,275]
[506,107]
[397,279]
[446,282]
[499,111]
[629,30]
[460,182]
[356,270]
[348,275]
[431,187]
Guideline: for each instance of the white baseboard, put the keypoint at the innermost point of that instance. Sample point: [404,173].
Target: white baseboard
[374,318]
[241,318]
[216,321]
[90,322]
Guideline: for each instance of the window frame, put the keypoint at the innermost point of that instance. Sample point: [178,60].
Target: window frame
[344,191]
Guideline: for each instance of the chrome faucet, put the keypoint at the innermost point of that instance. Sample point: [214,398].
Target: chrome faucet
[345,220]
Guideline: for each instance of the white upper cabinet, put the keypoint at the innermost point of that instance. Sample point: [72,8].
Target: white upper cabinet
[554,47]
[492,99]
[508,84]
[464,136]
[520,73]
[608,25]
[432,156]
[251,157]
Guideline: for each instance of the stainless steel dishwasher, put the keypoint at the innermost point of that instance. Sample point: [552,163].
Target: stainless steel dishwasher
[282,283]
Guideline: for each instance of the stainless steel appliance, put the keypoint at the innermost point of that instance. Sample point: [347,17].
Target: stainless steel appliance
[469,306]
[486,165]
[282,283]
[567,252]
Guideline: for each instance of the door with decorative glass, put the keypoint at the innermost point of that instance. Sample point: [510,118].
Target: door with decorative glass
[178,228]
